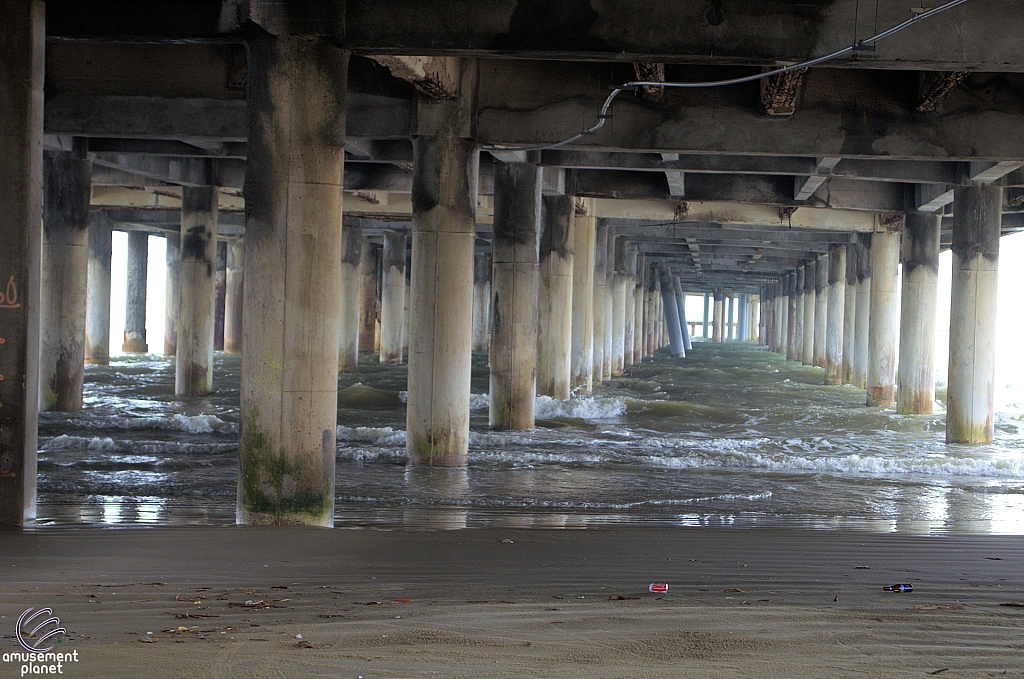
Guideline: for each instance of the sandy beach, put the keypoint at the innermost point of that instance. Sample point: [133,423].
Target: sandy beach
[233,602]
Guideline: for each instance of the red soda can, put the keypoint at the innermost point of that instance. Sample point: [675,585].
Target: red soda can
[658,587]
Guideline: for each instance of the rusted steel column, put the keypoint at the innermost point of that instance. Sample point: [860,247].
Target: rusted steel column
[915,393]
[970,404]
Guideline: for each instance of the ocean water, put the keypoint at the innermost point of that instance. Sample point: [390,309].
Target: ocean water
[733,435]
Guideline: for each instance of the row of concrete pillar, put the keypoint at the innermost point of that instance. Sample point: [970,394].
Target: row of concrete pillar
[840,313]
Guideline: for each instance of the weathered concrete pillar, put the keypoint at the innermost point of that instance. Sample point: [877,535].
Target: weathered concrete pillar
[517,217]
[836,315]
[793,313]
[172,294]
[798,330]
[135,297]
[65,268]
[600,283]
[21,176]
[915,392]
[970,404]
[350,299]
[820,310]
[630,293]
[850,315]
[408,296]
[617,280]
[368,305]
[651,310]
[609,310]
[444,232]
[220,295]
[810,308]
[193,367]
[884,323]
[294,182]
[707,315]
[481,300]
[729,330]
[863,323]
[97,319]
[233,297]
[640,294]
[671,311]
[554,306]
[744,320]
[681,304]
[660,332]
[719,318]
[583,246]
[392,298]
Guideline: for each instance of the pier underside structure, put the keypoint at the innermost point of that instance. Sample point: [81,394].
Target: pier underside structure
[347,149]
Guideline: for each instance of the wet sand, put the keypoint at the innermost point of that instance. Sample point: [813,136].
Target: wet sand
[522,603]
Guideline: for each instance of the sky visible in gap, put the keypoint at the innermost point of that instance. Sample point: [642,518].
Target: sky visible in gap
[1009,334]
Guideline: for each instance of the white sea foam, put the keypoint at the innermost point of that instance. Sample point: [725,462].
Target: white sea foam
[479,402]
[107,444]
[580,408]
[193,424]
[381,436]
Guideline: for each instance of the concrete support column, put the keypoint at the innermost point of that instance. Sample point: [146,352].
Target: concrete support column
[639,293]
[784,315]
[836,315]
[601,266]
[392,298]
[719,318]
[583,247]
[681,304]
[863,323]
[798,329]
[517,217]
[135,297]
[233,297]
[481,300]
[729,331]
[294,182]
[671,312]
[850,315]
[65,267]
[350,299]
[651,311]
[970,405]
[660,332]
[554,300]
[446,167]
[609,310]
[793,313]
[820,310]
[220,291]
[172,294]
[193,367]
[810,309]
[884,323]
[21,176]
[707,315]
[368,305]
[620,253]
[915,392]
[631,298]
[741,318]
[97,319]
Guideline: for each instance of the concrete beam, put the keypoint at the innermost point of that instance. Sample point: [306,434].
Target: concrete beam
[436,77]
